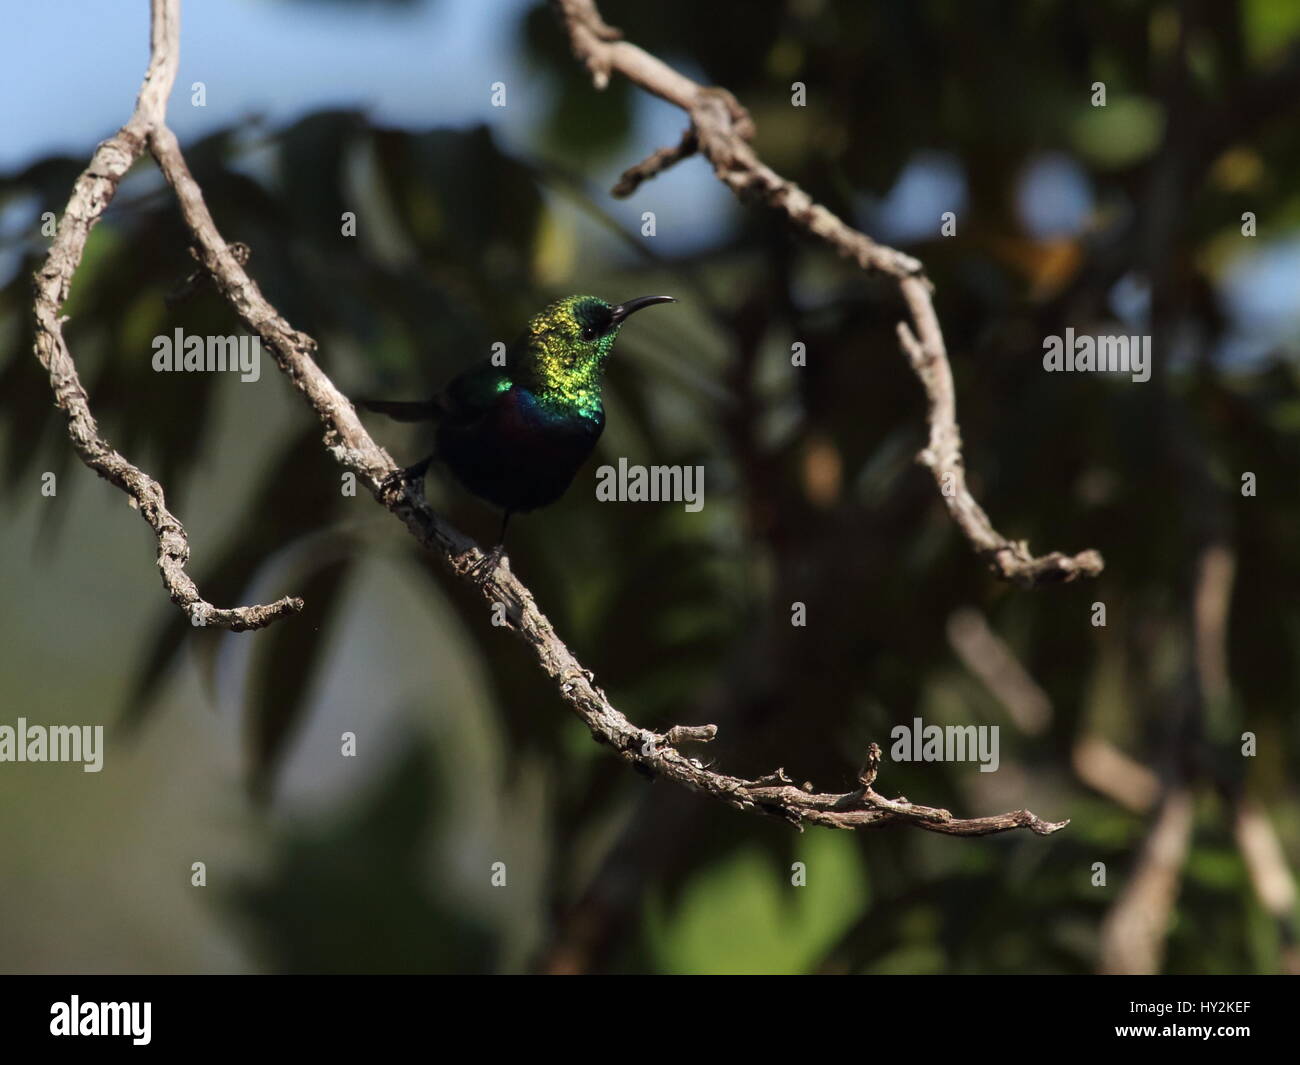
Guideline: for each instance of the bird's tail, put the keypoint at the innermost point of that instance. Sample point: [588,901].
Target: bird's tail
[402,410]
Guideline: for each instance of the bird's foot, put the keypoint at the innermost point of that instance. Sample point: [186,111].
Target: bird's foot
[485,568]
[408,475]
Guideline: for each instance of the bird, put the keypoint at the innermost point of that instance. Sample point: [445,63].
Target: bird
[515,435]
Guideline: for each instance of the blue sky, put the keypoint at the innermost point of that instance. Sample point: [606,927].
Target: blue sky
[432,64]
[416,65]
[423,64]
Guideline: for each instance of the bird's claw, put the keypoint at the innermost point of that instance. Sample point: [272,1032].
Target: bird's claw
[406,476]
[485,568]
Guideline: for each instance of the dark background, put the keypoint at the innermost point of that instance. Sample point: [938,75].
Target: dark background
[224,748]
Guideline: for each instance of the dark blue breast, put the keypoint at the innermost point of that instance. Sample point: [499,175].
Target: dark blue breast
[519,454]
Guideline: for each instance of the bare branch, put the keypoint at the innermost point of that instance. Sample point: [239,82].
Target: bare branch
[1133,932]
[1265,860]
[722,129]
[91,195]
[654,164]
[1106,769]
[1270,874]
[987,656]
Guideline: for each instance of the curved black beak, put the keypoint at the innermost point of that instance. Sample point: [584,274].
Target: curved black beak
[632,306]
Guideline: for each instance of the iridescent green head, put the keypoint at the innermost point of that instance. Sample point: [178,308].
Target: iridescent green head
[567,343]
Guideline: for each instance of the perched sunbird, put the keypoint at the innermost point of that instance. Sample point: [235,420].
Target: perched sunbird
[515,435]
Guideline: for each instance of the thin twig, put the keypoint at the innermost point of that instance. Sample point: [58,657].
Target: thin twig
[654,164]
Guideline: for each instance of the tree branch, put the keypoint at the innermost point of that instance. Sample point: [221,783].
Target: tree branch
[1134,930]
[91,195]
[721,129]
[656,754]
[655,163]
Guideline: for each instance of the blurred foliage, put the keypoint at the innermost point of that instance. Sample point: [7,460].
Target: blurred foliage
[369,908]
[812,495]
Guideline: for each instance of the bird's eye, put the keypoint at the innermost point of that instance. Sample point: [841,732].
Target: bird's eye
[589,333]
